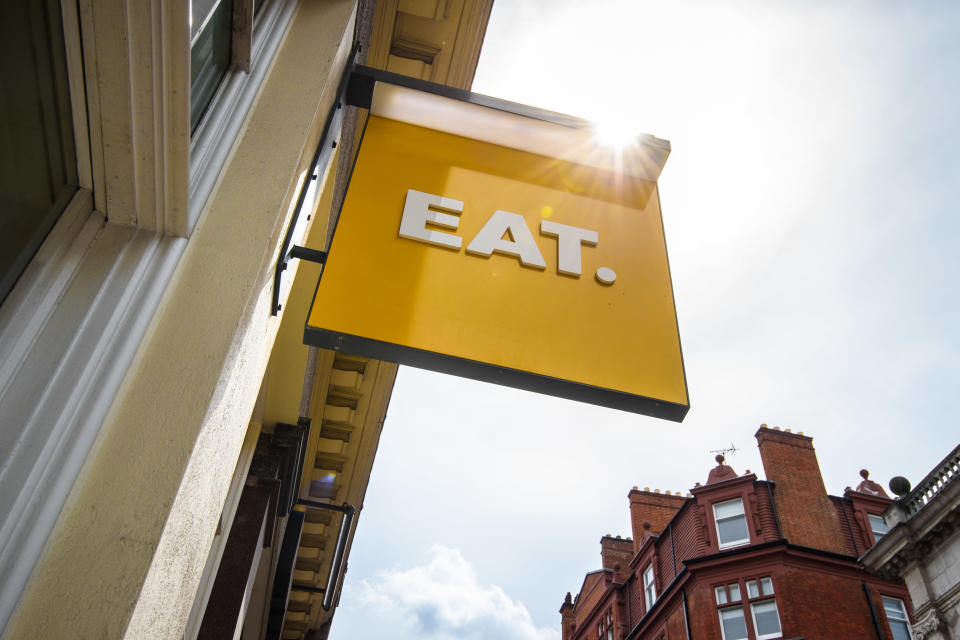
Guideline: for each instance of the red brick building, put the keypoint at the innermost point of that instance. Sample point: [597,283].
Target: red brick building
[743,558]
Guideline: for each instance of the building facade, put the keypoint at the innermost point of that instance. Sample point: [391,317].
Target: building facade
[743,558]
[174,462]
[923,548]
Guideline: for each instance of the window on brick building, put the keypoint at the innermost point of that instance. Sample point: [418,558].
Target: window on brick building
[727,593]
[605,627]
[733,625]
[878,526]
[760,603]
[731,523]
[897,618]
[766,619]
[649,588]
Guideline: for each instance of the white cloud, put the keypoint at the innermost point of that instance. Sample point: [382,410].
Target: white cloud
[443,599]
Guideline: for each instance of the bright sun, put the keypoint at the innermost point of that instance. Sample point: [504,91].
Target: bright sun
[616,132]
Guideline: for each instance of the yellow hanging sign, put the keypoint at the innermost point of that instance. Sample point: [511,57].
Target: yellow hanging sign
[495,263]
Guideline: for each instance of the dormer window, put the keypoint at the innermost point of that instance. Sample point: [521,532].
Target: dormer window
[878,526]
[649,588]
[731,523]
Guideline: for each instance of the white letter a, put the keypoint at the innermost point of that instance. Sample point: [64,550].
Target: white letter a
[490,239]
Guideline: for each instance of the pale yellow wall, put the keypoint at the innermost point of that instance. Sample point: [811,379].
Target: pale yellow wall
[288,361]
[127,552]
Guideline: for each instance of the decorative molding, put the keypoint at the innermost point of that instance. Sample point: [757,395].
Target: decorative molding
[69,332]
[927,625]
[136,71]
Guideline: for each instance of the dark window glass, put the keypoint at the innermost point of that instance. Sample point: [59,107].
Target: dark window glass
[209,55]
[38,174]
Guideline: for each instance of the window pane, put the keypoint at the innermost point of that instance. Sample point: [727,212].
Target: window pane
[894,609]
[721,595]
[734,592]
[38,165]
[200,10]
[900,631]
[766,586]
[897,618]
[728,509]
[752,589]
[732,530]
[209,59]
[734,624]
[765,618]
[879,526]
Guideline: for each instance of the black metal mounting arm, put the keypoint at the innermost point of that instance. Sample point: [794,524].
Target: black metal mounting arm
[305,253]
[335,578]
[321,163]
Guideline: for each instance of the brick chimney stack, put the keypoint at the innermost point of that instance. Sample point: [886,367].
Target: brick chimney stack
[807,516]
[654,508]
[615,551]
[566,618]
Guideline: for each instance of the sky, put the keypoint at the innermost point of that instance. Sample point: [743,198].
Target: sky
[809,204]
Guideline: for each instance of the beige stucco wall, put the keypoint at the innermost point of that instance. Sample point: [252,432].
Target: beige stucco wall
[128,550]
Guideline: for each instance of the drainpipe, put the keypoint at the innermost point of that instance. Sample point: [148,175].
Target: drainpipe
[686,617]
[673,553]
[856,549]
[873,612]
[773,507]
[629,600]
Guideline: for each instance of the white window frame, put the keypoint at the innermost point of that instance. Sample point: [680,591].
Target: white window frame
[649,586]
[716,524]
[129,262]
[776,610]
[872,518]
[220,126]
[723,632]
[722,591]
[903,611]
[720,595]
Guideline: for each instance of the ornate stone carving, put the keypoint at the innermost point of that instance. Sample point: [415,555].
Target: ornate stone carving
[927,625]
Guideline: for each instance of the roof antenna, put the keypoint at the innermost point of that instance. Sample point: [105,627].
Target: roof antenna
[724,452]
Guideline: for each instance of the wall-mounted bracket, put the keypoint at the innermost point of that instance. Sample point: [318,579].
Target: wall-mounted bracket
[310,191]
[335,579]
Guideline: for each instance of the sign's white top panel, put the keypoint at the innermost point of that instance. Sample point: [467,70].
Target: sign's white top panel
[642,159]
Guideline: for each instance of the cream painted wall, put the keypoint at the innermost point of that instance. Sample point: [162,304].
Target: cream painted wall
[288,361]
[128,550]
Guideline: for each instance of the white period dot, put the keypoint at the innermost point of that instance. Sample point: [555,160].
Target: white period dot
[606,275]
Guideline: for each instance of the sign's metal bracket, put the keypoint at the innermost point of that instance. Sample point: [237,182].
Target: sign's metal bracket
[310,191]
[305,253]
